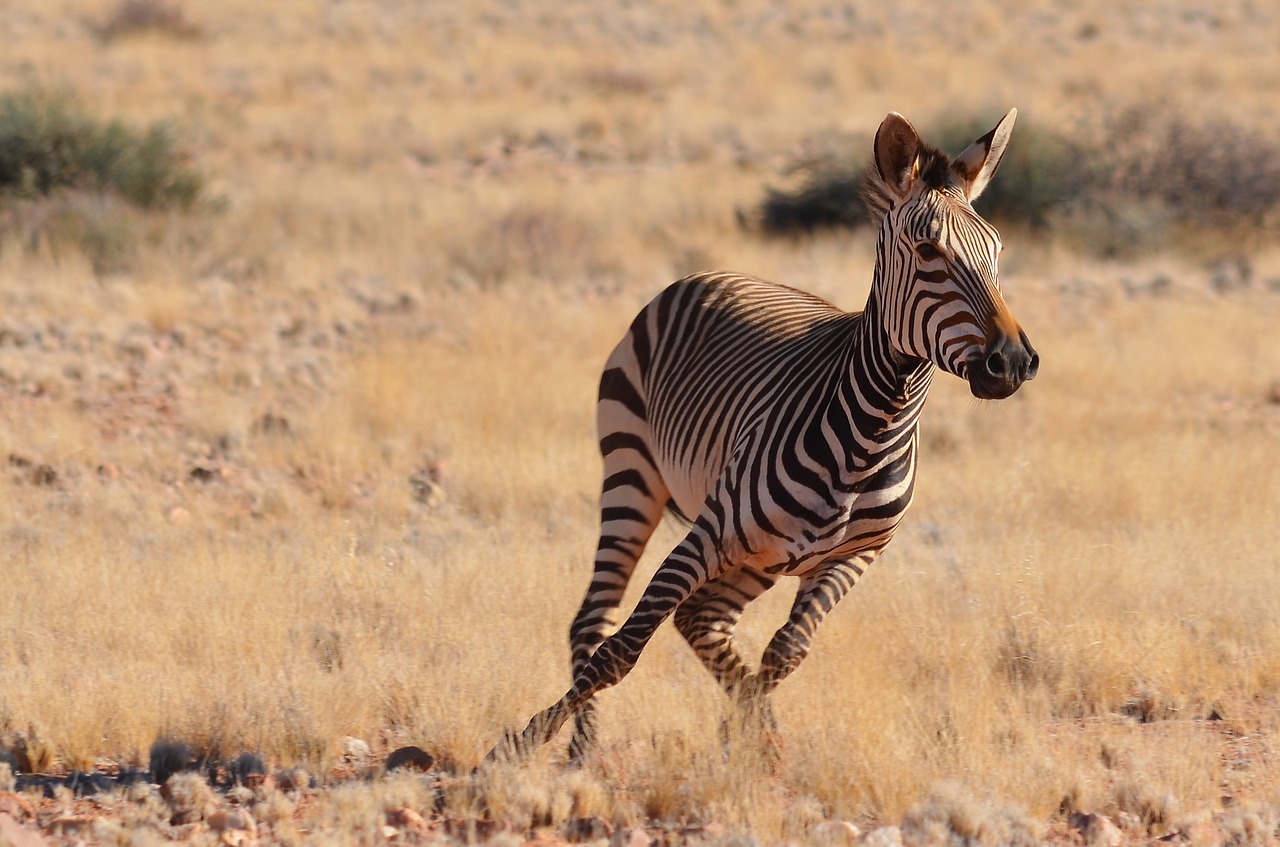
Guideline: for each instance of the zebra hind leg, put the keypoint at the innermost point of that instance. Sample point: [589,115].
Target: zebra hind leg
[631,503]
[683,573]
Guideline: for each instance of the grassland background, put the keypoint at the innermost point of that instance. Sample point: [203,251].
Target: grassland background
[319,461]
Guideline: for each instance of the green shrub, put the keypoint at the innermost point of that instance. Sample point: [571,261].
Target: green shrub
[49,144]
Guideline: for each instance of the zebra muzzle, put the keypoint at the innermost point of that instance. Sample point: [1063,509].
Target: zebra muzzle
[1002,367]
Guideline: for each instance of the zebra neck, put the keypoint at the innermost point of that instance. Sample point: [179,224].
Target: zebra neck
[882,392]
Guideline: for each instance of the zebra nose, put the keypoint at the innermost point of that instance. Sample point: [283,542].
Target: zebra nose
[1011,360]
[1003,366]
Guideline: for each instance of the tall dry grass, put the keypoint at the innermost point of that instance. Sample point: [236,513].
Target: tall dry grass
[322,464]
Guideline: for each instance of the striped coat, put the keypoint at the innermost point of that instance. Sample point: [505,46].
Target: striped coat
[784,430]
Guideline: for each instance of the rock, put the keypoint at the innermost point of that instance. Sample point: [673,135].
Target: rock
[17,835]
[243,766]
[885,836]
[635,837]
[225,820]
[580,830]
[408,820]
[169,757]
[836,832]
[355,750]
[1097,830]
[17,806]
[413,758]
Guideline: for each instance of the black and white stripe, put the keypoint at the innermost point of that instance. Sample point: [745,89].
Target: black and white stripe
[785,429]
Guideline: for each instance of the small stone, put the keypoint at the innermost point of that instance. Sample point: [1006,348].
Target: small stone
[836,832]
[1097,830]
[233,819]
[1129,822]
[17,835]
[17,806]
[169,757]
[242,766]
[635,837]
[408,820]
[413,758]
[885,836]
[355,750]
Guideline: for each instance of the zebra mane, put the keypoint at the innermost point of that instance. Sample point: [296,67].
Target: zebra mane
[935,171]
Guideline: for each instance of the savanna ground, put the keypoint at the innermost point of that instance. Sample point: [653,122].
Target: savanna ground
[312,457]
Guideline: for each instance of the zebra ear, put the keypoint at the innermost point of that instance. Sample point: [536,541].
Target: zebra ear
[897,150]
[978,164]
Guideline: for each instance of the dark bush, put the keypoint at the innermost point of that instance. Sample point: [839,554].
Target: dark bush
[1140,181]
[1040,172]
[131,17]
[1037,175]
[49,144]
[830,197]
[1213,174]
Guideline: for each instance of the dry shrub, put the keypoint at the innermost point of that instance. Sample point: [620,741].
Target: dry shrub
[829,197]
[523,244]
[133,17]
[1141,180]
[1206,172]
[958,817]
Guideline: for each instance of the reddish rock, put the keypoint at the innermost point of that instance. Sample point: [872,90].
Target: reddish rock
[1096,830]
[408,820]
[15,834]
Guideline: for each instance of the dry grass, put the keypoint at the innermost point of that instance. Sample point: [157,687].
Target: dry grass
[322,465]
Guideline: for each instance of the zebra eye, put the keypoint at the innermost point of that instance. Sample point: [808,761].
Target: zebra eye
[927,251]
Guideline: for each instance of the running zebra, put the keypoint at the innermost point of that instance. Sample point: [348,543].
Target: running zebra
[784,430]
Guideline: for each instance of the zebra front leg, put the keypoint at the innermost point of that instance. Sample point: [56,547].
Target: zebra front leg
[817,596]
[707,621]
[708,618]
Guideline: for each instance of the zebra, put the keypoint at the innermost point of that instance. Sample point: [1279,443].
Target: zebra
[784,431]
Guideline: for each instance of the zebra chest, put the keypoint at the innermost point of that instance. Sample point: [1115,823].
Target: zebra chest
[798,532]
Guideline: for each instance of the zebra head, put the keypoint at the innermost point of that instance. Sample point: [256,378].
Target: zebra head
[937,280]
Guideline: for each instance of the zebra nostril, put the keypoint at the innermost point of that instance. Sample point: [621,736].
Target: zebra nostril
[995,364]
